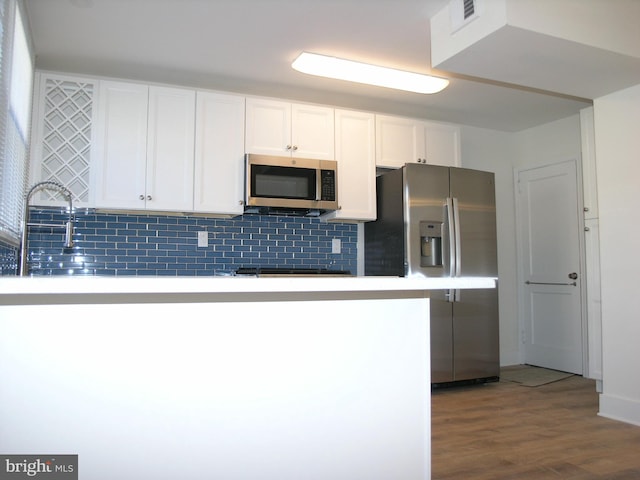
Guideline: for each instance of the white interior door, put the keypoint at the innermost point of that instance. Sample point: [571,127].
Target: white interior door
[550,252]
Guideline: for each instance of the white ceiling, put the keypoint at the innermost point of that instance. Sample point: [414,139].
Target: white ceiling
[247,46]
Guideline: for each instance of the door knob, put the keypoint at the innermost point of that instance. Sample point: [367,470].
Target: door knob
[573,276]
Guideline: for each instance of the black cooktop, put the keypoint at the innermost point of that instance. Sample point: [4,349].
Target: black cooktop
[287,271]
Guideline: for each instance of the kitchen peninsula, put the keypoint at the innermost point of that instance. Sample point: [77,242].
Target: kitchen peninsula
[221,377]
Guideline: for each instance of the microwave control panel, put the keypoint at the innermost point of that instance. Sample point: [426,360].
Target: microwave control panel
[328,185]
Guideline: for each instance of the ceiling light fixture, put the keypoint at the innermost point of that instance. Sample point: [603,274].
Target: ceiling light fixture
[341,69]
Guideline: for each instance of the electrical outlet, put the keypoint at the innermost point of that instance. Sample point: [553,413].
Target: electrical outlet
[203,238]
[336,246]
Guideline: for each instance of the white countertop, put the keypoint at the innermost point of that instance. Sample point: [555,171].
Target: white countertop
[11,286]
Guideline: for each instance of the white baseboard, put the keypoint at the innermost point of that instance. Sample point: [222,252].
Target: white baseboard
[617,408]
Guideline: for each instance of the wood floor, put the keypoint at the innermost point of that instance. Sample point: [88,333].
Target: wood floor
[506,431]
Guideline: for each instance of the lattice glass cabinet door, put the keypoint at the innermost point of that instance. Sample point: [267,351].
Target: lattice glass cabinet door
[62,136]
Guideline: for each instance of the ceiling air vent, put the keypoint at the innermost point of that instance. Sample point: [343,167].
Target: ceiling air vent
[469,8]
[463,12]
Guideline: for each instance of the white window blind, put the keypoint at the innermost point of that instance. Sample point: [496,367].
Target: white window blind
[16,83]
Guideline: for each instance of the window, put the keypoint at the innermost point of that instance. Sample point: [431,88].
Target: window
[16,83]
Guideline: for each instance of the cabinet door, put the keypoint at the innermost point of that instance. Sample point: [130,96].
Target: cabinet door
[442,144]
[594,297]
[312,132]
[121,162]
[589,183]
[268,127]
[398,141]
[62,148]
[219,161]
[355,154]
[170,149]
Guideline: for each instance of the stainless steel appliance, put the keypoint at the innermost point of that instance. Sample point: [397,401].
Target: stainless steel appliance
[290,183]
[289,272]
[436,221]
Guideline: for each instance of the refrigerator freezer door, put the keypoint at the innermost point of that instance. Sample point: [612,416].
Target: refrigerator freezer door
[441,339]
[426,188]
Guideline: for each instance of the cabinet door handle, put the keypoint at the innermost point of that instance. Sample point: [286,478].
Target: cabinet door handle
[141,197]
[288,147]
[148,197]
[295,147]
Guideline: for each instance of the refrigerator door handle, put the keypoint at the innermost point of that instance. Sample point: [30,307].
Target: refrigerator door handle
[452,238]
[450,295]
[458,252]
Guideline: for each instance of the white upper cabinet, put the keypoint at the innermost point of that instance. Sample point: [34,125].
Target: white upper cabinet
[442,144]
[398,141]
[130,146]
[590,186]
[402,140]
[219,155]
[312,132]
[122,145]
[62,149]
[280,128]
[268,127]
[146,147]
[170,149]
[355,154]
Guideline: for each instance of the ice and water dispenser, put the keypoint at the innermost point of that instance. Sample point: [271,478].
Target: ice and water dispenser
[430,244]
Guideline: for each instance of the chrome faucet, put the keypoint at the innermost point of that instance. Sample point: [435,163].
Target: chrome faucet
[68,226]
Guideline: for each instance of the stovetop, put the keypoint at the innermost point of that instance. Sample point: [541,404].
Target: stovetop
[290,272]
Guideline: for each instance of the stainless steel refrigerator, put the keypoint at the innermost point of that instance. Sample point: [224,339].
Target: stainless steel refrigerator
[436,221]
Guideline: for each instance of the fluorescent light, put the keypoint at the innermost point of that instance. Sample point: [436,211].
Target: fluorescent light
[341,69]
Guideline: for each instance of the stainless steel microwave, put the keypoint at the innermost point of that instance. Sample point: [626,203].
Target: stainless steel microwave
[291,183]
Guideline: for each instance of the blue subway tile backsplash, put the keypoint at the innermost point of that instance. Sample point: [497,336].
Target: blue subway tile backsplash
[8,259]
[128,244]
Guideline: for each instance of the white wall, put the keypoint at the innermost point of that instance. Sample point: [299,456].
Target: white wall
[492,151]
[617,139]
[501,152]
[553,142]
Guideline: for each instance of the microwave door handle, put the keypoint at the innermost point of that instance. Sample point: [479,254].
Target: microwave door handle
[318,184]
